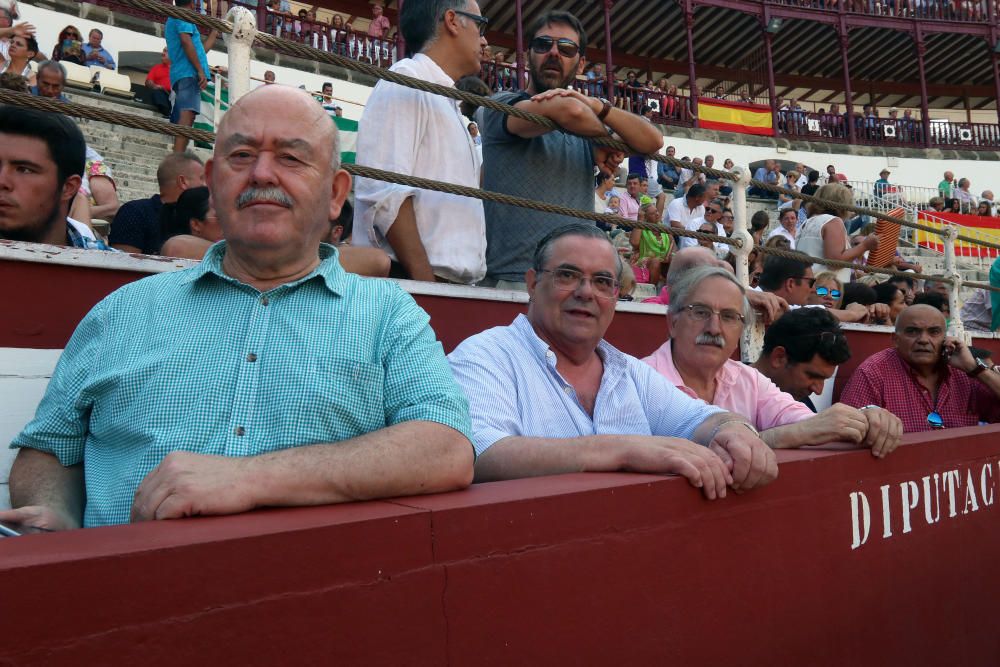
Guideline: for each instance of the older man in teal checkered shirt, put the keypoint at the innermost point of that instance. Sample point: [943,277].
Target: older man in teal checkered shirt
[266,376]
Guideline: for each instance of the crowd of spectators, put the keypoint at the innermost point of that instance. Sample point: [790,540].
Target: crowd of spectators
[545,395]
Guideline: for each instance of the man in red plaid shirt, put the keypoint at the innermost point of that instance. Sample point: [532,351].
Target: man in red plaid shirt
[928,380]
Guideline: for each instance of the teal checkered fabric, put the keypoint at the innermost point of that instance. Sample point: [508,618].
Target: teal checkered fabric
[197,361]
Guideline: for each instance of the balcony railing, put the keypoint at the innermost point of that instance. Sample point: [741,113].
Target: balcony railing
[965,135]
[970,11]
[668,108]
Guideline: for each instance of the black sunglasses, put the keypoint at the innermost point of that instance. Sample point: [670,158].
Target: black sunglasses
[482,21]
[543,44]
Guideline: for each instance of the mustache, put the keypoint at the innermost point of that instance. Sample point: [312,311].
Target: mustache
[710,339]
[269,195]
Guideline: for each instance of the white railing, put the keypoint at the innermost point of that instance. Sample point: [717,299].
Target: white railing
[898,194]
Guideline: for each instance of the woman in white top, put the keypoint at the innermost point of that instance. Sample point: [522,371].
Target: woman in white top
[787,222]
[22,50]
[823,234]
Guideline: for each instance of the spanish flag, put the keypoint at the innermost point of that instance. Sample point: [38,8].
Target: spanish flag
[734,117]
[986,228]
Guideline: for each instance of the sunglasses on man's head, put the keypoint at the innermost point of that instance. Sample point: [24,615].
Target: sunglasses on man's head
[823,291]
[543,44]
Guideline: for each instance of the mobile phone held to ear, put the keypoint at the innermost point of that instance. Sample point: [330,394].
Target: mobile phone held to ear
[8,529]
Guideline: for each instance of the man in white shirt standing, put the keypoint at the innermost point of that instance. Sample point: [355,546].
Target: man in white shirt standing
[687,212]
[429,235]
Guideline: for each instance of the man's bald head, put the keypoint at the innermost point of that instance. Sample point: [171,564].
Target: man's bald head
[688,258]
[261,103]
[920,310]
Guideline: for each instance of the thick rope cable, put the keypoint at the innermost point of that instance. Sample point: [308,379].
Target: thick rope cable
[310,53]
[170,129]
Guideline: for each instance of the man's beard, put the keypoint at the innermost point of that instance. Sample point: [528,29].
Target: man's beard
[541,86]
[39,229]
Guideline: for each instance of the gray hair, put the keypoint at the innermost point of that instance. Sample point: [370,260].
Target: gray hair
[53,64]
[685,284]
[543,251]
[420,21]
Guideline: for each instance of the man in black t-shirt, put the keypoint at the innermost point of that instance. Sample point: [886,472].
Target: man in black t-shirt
[136,227]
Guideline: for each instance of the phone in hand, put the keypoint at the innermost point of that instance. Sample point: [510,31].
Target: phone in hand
[8,529]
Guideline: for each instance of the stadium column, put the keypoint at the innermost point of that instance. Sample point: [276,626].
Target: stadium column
[520,44]
[845,41]
[769,55]
[692,80]
[996,81]
[925,116]
[995,60]
[400,42]
[608,63]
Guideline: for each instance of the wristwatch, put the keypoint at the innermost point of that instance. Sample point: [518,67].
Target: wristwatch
[981,366]
[605,111]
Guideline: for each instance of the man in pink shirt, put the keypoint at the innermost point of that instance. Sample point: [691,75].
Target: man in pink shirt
[379,27]
[708,310]
[629,207]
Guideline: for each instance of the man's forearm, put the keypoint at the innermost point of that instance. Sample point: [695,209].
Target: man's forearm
[411,458]
[517,457]
[635,131]
[714,423]
[992,380]
[404,237]
[788,436]
[38,478]
[210,40]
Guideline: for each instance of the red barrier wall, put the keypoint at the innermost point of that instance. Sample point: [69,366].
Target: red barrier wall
[589,568]
[57,296]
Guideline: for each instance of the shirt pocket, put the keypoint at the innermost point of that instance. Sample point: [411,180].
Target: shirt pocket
[335,398]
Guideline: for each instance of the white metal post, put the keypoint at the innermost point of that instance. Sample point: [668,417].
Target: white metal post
[752,341]
[239,45]
[949,234]
[217,101]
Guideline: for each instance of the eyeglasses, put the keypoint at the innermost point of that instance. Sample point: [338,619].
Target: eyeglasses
[702,313]
[605,287]
[935,420]
[812,281]
[715,210]
[823,291]
[543,44]
[481,20]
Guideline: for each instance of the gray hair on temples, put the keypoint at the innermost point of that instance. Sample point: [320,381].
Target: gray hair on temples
[685,284]
[544,248]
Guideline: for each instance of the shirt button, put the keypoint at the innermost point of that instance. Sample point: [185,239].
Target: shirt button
[568,390]
[239,431]
[251,357]
[264,300]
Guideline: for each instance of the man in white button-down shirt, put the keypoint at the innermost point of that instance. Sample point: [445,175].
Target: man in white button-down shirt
[429,235]
[549,395]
